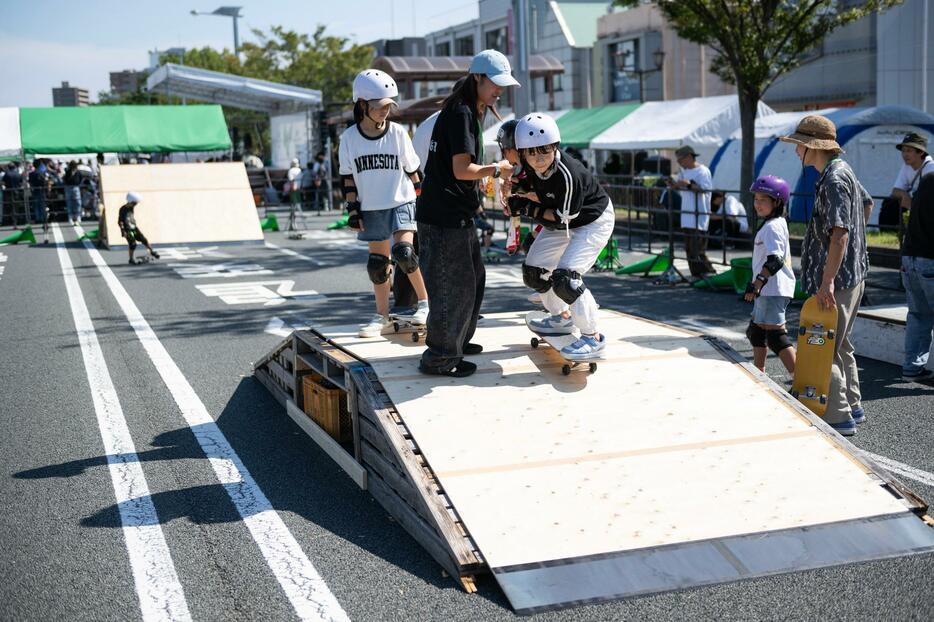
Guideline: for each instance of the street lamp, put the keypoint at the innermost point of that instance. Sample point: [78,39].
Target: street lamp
[226,11]
[622,56]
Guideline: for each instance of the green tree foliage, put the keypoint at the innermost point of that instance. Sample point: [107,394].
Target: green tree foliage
[317,61]
[757,41]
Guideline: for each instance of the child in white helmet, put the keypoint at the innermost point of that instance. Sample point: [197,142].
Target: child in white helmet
[126,220]
[578,220]
[379,173]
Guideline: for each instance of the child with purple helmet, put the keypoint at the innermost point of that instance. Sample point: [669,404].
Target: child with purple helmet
[773,285]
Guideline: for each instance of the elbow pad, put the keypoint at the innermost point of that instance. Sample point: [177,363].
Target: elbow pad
[774,263]
[348,185]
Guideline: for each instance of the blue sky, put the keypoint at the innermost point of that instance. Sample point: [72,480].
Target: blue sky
[43,42]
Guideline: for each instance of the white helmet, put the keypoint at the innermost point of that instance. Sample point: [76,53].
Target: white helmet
[537,130]
[132,197]
[373,84]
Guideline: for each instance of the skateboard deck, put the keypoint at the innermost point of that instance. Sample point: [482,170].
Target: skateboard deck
[559,341]
[816,341]
[406,324]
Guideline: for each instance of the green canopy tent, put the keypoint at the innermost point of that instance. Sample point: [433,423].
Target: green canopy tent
[123,129]
[581,125]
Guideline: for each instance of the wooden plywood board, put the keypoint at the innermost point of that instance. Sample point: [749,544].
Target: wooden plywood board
[668,442]
[182,203]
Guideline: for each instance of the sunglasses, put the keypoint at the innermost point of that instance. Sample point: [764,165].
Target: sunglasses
[543,150]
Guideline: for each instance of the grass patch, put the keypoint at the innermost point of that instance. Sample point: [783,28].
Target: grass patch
[884,239]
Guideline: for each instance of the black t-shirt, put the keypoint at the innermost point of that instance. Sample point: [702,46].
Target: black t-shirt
[919,238]
[570,187]
[126,217]
[445,200]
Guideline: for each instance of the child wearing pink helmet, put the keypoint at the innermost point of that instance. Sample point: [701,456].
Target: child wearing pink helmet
[773,285]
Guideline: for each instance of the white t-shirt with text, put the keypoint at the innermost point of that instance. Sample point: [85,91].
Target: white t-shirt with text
[699,201]
[421,139]
[772,239]
[379,166]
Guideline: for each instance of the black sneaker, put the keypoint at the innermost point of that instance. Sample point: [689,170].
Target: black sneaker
[924,377]
[472,348]
[461,370]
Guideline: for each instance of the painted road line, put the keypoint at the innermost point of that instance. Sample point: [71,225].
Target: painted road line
[297,255]
[160,593]
[303,586]
[256,292]
[898,468]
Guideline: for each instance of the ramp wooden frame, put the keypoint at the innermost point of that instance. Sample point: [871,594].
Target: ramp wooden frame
[385,458]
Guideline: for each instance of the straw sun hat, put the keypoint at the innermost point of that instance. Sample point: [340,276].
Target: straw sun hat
[815,132]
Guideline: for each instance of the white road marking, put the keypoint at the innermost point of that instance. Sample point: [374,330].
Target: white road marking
[304,587]
[284,327]
[255,292]
[160,593]
[291,253]
[184,253]
[217,270]
[898,468]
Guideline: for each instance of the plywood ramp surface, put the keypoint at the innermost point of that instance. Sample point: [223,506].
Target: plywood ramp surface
[183,203]
[668,442]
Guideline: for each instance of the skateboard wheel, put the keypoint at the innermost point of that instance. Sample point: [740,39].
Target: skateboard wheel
[823,399]
[593,368]
[794,394]
[566,370]
[802,330]
[830,334]
[415,337]
[534,342]
[395,326]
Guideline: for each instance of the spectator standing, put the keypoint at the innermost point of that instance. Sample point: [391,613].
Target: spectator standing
[695,183]
[13,191]
[72,181]
[918,279]
[39,192]
[834,258]
[319,177]
[294,189]
[916,164]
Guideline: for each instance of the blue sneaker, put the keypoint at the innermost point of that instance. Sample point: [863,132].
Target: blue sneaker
[845,428]
[585,348]
[552,325]
[859,415]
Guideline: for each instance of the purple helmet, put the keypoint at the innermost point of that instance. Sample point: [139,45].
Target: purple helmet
[775,187]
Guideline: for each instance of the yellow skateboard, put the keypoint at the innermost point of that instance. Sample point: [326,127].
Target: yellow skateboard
[816,339]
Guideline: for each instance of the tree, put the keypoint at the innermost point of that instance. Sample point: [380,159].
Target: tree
[756,41]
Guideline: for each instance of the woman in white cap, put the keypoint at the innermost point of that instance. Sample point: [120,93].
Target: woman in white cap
[578,218]
[454,272]
[379,178]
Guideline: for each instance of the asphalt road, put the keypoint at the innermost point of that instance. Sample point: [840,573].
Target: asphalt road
[65,554]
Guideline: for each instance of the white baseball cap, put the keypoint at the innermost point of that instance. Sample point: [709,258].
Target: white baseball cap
[495,66]
[132,197]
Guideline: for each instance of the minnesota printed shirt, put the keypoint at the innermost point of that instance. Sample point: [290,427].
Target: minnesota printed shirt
[838,202]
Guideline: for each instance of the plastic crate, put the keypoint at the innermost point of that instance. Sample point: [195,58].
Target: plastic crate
[326,405]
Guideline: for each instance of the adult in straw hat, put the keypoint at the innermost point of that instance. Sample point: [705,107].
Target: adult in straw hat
[834,259]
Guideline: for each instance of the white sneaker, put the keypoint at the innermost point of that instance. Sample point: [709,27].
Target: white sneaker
[421,314]
[552,325]
[585,348]
[377,325]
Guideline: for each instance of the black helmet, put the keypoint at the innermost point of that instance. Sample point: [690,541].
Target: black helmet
[506,136]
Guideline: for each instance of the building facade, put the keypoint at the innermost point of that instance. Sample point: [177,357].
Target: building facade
[67,95]
[127,81]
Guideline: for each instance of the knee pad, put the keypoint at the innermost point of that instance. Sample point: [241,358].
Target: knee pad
[756,335]
[532,277]
[377,267]
[778,340]
[568,285]
[403,253]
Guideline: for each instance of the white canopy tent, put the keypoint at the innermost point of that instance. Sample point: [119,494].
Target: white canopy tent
[868,136]
[10,142]
[291,108]
[704,123]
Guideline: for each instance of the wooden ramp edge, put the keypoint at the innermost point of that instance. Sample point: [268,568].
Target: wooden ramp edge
[383,458]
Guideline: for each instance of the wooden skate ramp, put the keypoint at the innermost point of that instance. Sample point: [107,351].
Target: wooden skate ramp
[197,203]
[674,465]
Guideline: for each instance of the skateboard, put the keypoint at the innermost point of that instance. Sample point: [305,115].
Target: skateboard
[405,324]
[816,340]
[144,259]
[557,342]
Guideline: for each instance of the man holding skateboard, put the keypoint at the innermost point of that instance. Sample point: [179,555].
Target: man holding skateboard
[834,258]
